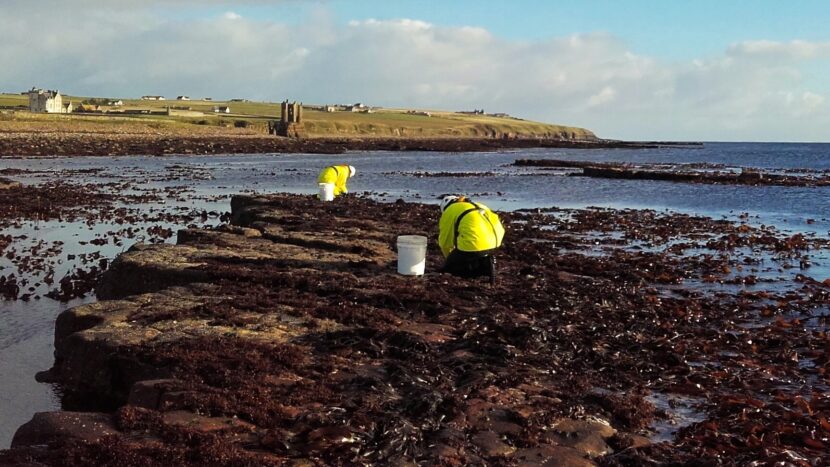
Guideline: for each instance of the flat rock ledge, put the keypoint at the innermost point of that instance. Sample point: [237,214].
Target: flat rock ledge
[287,338]
[6,184]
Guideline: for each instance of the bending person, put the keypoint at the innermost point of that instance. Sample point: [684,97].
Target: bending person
[337,175]
[469,234]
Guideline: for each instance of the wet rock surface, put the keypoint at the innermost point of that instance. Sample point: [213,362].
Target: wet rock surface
[109,213]
[48,427]
[288,338]
[53,199]
[6,184]
[87,144]
[685,173]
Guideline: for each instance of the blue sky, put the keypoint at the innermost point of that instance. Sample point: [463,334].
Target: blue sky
[670,29]
[637,69]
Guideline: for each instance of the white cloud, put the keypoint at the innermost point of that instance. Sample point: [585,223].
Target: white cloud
[754,90]
[93,4]
[793,50]
[607,94]
[393,25]
[811,102]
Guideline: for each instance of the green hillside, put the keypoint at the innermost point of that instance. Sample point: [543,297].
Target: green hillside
[197,116]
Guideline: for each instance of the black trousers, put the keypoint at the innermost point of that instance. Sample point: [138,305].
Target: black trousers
[471,264]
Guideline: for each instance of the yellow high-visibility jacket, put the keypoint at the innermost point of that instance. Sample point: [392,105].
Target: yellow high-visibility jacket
[337,174]
[469,226]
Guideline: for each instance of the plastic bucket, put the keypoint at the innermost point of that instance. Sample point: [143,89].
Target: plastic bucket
[326,191]
[412,253]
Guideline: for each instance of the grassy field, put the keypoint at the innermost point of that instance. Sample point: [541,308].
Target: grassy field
[252,118]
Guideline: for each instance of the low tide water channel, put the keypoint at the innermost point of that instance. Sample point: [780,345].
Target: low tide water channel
[155,196]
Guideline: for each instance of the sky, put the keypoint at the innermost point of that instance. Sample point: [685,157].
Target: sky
[729,70]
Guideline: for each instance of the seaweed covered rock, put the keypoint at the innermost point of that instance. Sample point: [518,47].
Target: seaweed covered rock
[289,338]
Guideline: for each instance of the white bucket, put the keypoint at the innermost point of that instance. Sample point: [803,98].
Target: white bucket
[326,191]
[412,253]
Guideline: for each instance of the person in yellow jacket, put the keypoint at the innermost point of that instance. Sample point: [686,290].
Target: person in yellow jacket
[338,175]
[469,234]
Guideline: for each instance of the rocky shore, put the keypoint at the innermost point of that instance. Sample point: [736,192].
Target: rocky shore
[105,144]
[6,184]
[287,338]
[684,173]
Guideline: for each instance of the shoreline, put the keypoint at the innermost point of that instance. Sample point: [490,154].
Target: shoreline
[16,145]
[282,335]
[683,173]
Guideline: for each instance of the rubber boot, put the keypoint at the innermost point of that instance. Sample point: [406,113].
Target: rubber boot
[493,271]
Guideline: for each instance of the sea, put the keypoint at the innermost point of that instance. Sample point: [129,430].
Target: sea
[205,184]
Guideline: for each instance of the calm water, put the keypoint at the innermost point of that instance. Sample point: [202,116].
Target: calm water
[26,329]
[511,187]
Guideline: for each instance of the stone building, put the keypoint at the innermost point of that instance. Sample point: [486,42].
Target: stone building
[48,101]
[291,113]
[91,108]
[291,121]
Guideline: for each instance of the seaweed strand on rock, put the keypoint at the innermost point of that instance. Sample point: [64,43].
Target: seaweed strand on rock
[287,337]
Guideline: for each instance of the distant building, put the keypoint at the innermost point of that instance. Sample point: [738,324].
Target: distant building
[117,103]
[221,109]
[91,108]
[473,112]
[152,98]
[48,102]
[291,113]
[359,107]
[329,108]
[290,124]
[183,98]
[207,98]
[419,112]
[240,100]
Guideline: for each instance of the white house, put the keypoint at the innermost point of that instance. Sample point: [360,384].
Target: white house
[152,98]
[419,112]
[359,107]
[48,101]
[183,98]
[222,109]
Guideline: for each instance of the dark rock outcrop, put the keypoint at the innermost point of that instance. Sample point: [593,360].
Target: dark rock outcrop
[289,338]
[683,173]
